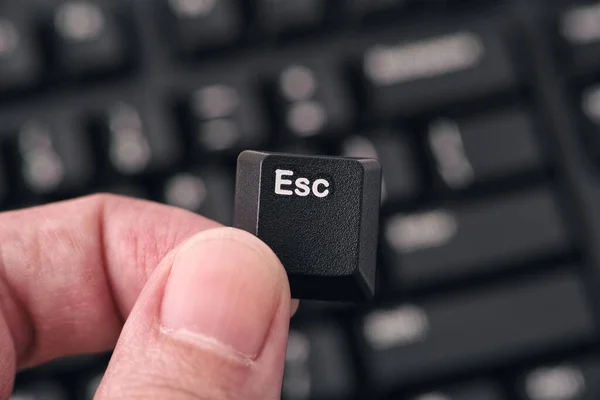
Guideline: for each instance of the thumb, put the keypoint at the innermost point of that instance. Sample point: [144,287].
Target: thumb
[211,323]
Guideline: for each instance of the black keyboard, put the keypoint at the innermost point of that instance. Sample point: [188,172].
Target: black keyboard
[484,114]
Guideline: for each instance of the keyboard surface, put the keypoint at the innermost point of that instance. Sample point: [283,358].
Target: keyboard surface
[485,117]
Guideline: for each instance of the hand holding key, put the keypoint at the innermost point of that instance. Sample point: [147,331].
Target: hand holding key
[320,216]
[195,310]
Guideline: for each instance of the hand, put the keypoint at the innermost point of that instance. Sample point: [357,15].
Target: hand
[195,310]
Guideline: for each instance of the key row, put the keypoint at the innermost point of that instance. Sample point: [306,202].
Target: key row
[452,63]
[201,24]
[89,37]
[470,331]
[56,152]
[474,60]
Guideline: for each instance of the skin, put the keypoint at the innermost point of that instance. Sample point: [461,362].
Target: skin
[104,272]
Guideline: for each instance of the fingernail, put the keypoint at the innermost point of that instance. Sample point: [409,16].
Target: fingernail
[225,285]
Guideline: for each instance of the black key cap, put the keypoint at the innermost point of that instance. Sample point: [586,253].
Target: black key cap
[88,38]
[291,16]
[20,63]
[486,327]
[319,215]
[54,155]
[578,28]
[484,148]
[198,25]
[409,74]
[318,364]
[140,137]
[470,239]
[312,100]
[209,193]
[474,391]
[569,380]
[402,178]
[227,117]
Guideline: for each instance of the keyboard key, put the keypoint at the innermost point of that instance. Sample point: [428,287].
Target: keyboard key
[318,364]
[287,16]
[475,391]
[88,38]
[209,193]
[312,100]
[407,75]
[20,63]
[227,117]
[484,148]
[54,155]
[140,138]
[463,240]
[198,25]
[474,329]
[320,215]
[396,153]
[579,28]
[571,380]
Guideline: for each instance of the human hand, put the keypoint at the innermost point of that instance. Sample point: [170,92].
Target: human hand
[196,311]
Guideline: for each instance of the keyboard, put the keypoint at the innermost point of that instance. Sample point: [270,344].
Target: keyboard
[485,117]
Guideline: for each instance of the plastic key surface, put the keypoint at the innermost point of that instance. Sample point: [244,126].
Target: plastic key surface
[319,215]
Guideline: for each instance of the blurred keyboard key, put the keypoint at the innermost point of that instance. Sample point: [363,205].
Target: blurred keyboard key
[54,155]
[318,364]
[402,178]
[312,100]
[227,117]
[88,38]
[475,238]
[474,391]
[579,27]
[20,62]
[40,391]
[209,193]
[288,16]
[571,380]
[484,148]
[407,75]
[140,138]
[198,25]
[474,329]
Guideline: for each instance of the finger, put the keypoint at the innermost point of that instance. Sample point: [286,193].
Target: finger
[70,272]
[212,323]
